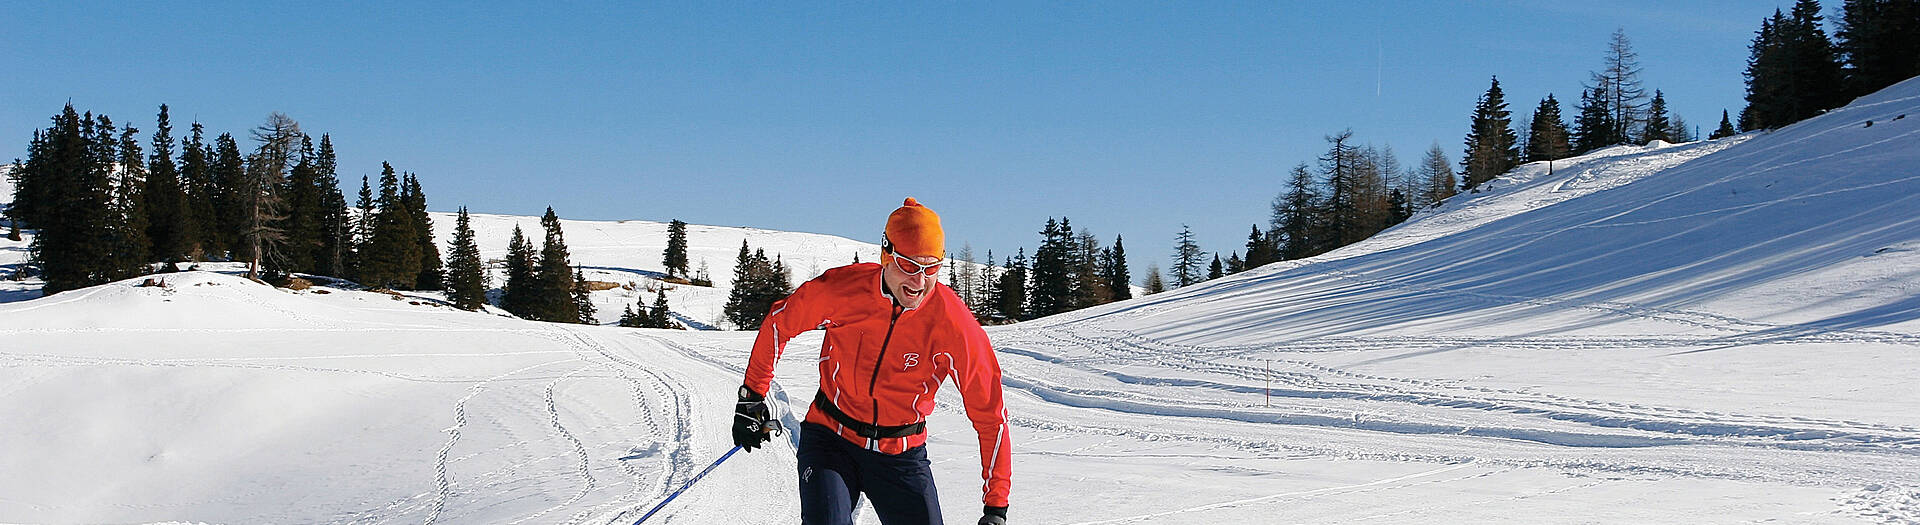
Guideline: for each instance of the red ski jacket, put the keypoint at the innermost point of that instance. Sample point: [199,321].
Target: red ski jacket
[881,364]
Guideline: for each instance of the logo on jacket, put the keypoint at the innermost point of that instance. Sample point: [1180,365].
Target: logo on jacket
[911,360]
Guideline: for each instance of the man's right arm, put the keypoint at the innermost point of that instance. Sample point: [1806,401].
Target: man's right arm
[786,319]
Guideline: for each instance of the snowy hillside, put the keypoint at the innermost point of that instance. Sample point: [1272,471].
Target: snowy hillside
[1719,332]
[630,252]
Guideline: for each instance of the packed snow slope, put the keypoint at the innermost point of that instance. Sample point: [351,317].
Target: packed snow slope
[1716,332]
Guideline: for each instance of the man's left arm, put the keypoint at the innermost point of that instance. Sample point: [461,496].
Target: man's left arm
[977,374]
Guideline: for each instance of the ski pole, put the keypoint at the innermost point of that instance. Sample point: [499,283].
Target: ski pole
[689,484]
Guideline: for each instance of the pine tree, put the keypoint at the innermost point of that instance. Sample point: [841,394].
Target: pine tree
[1217,269]
[1438,173]
[1549,133]
[1119,279]
[1880,40]
[582,296]
[1186,258]
[1619,77]
[675,258]
[553,298]
[1725,129]
[1154,284]
[466,273]
[516,296]
[1491,143]
[169,222]
[1235,264]
[392,255]
[1658,127]
[415,201]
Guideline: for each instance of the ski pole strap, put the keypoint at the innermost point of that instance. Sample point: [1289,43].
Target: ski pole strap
[862,428]
[689,484]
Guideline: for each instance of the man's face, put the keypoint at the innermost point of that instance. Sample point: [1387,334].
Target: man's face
[910,289]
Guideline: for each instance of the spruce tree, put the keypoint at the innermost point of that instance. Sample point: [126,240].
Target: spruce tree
[1052,279]
[1792,69]
[129,222]
[1186,258]
[168,219]
[675,257]
[196,173]
[516,296]
[1725,129]
[336,225]
[1235,264]
[415,201]
[1260,252]
[1594,127]
[466,273]
[553,276]
[304,206]
[582,296]
[1548,132]
[1295,217]
[661,315]
[1491,144]
[1012,287]
[68,176]
[1658,127]
[392,255]
[1880,42]
[1217,269]
[230,206]
[1119,279]
[362,232]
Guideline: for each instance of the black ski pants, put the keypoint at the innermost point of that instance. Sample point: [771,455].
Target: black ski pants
[834,473]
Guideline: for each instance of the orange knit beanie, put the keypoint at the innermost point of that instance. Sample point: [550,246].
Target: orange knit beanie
[913,231]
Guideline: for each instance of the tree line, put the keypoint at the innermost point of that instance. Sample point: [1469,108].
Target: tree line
[107,209]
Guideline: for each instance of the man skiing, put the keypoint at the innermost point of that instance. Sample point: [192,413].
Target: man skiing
[893,334]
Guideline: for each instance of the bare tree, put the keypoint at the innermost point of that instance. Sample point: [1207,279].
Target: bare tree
[266,173]
[1620,75]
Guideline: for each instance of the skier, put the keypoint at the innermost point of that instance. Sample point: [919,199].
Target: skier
[893,334]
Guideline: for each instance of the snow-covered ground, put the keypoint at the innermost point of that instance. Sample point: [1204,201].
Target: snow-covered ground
[1721,332]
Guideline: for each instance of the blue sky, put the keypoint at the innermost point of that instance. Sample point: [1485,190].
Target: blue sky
[1130,118]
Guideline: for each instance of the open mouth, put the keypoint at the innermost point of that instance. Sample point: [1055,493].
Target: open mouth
[912,293]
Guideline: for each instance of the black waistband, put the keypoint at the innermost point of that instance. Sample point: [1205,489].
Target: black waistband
[862,428]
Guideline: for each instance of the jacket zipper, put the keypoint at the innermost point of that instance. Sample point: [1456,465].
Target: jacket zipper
[875,378]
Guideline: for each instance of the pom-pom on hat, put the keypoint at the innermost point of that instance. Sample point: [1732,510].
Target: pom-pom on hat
[914,230]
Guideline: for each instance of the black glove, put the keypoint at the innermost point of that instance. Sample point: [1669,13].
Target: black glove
[752,424]
[993,516]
